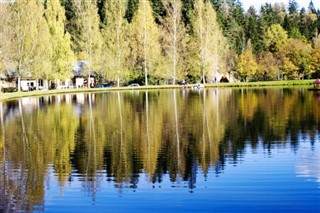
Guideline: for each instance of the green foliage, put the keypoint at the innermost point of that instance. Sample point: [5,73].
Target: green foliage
[274,37]
[293,6]
[132,7]
[298,53]
[158,10]
[251,29]
[267,67]
[120,46]
[30,52]
[187,6]
[87,39]
[6,37]
[247,65]
[174,41]
[207,39]
[145,46]
[233,25]
[315,61]
[116,46]
[62,56]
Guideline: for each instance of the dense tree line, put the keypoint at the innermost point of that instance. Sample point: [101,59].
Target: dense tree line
[159,41]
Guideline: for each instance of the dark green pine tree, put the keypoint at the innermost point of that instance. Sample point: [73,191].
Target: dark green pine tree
[238,16]
[287,24]
[132,7]
[251,29]
[187,7]
[269,16]
[101,10]
[217,5]
[158,10]
[67,4]
[311,8]
[232,24]
[308,23]
[293,7]
[292,20]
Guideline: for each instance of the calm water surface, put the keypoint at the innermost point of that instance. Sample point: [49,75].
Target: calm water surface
[214,150]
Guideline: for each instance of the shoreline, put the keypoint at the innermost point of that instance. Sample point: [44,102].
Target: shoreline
[260,84]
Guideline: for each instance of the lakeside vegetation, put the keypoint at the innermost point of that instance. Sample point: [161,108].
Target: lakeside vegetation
[288,83]
[156,42]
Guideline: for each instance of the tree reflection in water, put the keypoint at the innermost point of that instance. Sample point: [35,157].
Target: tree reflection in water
[125,136]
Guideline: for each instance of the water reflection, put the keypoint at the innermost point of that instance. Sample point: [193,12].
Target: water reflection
[124,137]
[307,164]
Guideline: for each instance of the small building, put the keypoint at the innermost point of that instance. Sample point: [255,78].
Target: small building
[80,75]
[7,82]
[28,84]
[316,83]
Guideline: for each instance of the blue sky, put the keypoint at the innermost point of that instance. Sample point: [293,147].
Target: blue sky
[258,3]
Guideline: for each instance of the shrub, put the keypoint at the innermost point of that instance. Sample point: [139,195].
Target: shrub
[9,89]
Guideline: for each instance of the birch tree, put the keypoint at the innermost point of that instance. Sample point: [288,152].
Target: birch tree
[116,41]
[87,39]
[145,35]
[207,37]
[174,39]
[31,50]
[62,56]
[41,68]
[5,37]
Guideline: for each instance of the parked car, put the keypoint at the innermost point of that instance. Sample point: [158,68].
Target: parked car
[104,85]
[133,85]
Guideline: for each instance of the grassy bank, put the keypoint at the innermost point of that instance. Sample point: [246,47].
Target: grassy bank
[14,95]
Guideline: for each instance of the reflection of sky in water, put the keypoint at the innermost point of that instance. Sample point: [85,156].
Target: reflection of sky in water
[308,160]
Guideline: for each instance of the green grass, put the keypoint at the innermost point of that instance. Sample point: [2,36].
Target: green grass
[294,83]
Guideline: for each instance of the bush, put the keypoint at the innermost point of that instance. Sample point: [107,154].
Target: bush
[9,89]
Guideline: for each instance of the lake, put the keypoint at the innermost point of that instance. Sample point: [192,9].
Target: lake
[184,150]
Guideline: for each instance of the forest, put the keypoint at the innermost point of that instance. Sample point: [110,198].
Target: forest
[154,42]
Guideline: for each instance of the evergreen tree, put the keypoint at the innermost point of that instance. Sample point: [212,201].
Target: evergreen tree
[307,25]
[68,7]
[101,9]
[145,35]
[293,7]
[232,28]
[218,7]
[238,16]
[187,6]
[158,10]
[252,29]
[274,37]
[271,15]
[311,8]
[132,7]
